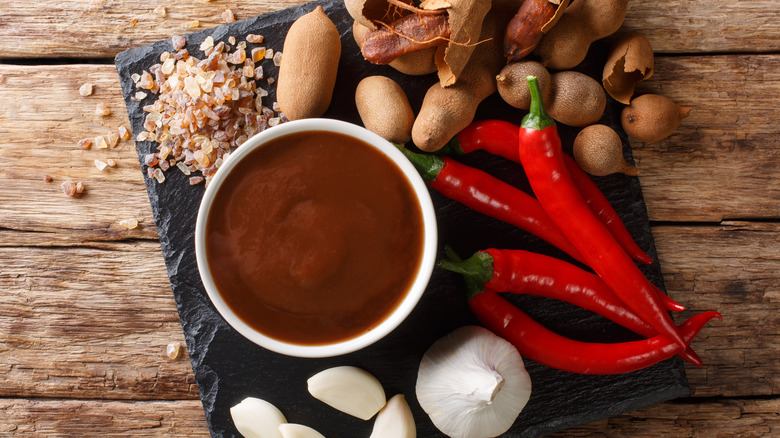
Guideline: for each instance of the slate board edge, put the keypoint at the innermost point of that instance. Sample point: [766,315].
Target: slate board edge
[172,267]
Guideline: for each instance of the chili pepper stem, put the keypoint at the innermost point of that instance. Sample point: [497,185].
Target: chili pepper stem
[537,118]
[429,166]
[476,270]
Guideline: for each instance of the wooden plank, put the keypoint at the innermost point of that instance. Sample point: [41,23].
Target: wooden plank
[82,418]
[702,27]
[89,323]
[722,162]
[102,317]
[38,135]
[74,418]
[731,269]
[690,418]
[83,28]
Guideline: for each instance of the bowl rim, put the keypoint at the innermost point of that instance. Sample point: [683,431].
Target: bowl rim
[402,310]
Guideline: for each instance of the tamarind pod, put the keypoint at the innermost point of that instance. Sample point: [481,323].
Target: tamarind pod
[525,28]
[407,34]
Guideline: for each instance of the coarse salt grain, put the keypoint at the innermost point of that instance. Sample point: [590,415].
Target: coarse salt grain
[84,143]
[123,132]
[133,22]
[173,350]
[191,24]
[101,109]
[253,38]
[208,43]
[100,165]
[228,16]
[111,162]
[269,53]
[278,59]
[100,142]
[160,11]
[139,95]
[178,42]
[232,40]
[128,223]
[86,89]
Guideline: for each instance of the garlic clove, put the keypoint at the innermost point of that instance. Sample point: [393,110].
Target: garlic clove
[395,420]
[290,430]
[256,418]
[472,383]
[348,389]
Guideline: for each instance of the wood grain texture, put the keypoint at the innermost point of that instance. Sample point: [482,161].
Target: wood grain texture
[103,316]
[724,161]
[89,323]
[40,136]
[91,418]
[174,419]
[102,28]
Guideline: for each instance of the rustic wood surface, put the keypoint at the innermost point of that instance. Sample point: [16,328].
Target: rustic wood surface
[87,312]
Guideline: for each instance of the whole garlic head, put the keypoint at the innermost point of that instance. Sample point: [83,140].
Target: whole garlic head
[472,383]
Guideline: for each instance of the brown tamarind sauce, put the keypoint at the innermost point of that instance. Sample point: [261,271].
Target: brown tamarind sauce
[314,238]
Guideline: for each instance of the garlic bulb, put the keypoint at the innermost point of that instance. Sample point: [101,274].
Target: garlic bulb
[395,420]
[256,418]
[348,389]
[472,383]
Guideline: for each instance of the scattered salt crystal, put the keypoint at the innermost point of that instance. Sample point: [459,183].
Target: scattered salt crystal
[100,142]
[139,95]
[191,24]
[86,89]
[258,53]
[232,40]
[133,22]
[128,223]
[253,38]
[259,72]
[178,42]
[269,53]
[271,81]
[173,350]
[113,139]
[158,175]
[208,43]
[79,187]
[124,133]
[111,162]
[195,180]
[273,121]
[100,165]
[228,16]
[168,66]
[278,59]
[135,77]
[160,11]
[69,188]
[101,109]
[84,143]
[183,167]
[275,106]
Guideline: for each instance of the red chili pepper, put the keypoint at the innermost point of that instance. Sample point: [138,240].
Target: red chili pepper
[539,344]
[542,160]
[489,195]
[524,272]
[501,138]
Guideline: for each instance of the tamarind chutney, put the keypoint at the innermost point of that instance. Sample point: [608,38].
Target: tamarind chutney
[314,238]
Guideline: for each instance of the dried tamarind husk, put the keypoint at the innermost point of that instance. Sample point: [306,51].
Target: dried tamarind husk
[465,17]
[561,8]
[408,34]
[630,61]
[415,63]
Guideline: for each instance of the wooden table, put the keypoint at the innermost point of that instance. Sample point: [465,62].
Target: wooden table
[86,310]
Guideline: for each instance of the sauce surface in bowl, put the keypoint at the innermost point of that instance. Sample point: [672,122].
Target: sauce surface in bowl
[314,238]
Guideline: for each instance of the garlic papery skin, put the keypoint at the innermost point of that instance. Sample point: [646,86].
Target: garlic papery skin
[348,389]
[395,420]
[291,430]
[256,418]
[472,383]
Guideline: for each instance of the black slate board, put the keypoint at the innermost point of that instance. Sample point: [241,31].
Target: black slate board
[228,367]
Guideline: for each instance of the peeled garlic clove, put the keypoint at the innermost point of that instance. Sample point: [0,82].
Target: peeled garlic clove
[472,383]
[348,389]
[290,430]
[395,420]
[256,418]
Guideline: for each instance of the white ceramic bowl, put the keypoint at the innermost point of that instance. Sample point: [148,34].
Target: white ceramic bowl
[393,319]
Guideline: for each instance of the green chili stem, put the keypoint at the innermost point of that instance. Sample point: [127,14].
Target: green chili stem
[476,270]
[429,166]
[537,117]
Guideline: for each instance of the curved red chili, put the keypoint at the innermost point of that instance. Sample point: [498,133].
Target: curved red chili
[539,344]
[501,138]
[524,272]
[489,195]
[542,159]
